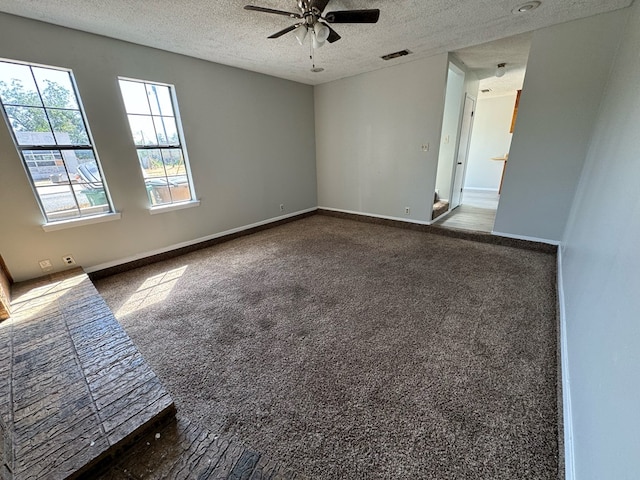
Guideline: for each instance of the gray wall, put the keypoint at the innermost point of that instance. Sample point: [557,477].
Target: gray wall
[566,74]
[250,140]
[369,132]
[601,280]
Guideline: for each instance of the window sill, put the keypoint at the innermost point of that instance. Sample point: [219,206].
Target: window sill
[78,222]
[174,206]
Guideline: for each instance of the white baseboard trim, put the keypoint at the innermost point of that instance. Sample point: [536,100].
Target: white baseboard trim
[479,189]
[375,215]
[138,256]
[525,237]
[567,418]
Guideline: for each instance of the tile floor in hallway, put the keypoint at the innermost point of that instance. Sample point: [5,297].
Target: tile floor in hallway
[477,212]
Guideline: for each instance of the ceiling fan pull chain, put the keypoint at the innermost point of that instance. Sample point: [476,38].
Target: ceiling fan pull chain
[312,57]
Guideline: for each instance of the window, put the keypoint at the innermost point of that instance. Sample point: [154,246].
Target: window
[43,109]
[156,130]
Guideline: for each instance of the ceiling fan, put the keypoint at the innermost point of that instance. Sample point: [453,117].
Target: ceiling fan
[314,21]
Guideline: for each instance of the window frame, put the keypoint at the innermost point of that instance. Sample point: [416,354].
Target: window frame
[173,205]
[80,218]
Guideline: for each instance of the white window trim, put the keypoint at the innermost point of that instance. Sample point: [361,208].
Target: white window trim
[170,207]
[194,202]
[79,222]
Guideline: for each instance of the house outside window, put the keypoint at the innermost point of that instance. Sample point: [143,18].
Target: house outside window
[157,133]
[43,111]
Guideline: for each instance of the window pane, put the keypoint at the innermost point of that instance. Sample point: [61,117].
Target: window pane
[160,100]
[68,127]
[179,188]
[158,190]
[58,202]
[151,163]
[90,199]
[30,125]
[55,88]
[142,129]
[17,86]
[82,167]
[171,130]
[45,167]
[135,97]
[162,136]
[173,161]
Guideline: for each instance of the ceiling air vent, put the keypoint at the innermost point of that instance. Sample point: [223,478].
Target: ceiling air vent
[401,53]
[485,90]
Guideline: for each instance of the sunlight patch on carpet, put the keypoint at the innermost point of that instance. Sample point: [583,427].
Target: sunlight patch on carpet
[153,290]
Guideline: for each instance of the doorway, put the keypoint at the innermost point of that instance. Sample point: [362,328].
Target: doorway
[477,186]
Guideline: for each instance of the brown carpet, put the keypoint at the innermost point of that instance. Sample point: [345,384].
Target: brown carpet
[349,350]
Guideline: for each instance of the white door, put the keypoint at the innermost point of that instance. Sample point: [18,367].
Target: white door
[460,165]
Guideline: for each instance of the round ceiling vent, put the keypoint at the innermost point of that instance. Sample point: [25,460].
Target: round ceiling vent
[526,7]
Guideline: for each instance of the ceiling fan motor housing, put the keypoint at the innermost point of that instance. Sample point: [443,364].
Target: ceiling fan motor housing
[310,14]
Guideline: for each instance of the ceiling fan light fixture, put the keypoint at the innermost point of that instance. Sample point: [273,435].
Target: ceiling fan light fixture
[322,32]
[501,69]
[301,34]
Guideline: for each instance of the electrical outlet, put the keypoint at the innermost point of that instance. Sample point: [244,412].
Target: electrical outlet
[45,265]
[425,147]
[68,260]
[407,210]
[282,207]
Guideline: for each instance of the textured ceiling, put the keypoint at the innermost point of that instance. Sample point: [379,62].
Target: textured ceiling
[483,60]
[222,31]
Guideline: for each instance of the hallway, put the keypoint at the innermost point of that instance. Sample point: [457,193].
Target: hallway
[477,212]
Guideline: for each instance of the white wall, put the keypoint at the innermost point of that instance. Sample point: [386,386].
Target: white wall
[600,269]
[369,132]
[491,138]
[453,99]
[250,140]
[566,74]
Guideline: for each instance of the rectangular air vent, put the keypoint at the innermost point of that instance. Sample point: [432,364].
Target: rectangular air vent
[401,53]
[485,90]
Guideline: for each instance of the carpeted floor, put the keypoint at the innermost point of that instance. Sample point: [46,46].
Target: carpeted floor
[349,350]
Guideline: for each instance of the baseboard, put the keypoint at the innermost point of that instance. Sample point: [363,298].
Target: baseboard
[479,189]
[525,237]
[569,467]
[151,253]
[375,215]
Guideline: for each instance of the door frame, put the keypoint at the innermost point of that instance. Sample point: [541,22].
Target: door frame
[466,148]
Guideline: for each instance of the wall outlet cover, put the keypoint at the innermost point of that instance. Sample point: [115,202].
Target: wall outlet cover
[68,260]
[45,265]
